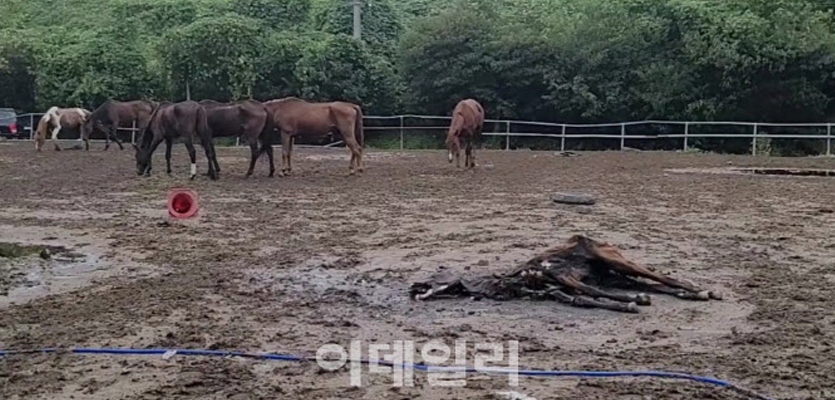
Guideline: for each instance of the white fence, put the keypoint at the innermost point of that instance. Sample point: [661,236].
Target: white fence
[559,131]
[681,129]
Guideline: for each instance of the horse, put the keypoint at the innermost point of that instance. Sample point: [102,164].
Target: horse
[168,122]
[57,119]
[467,124]
[248,119]
[293,117]
[577,272]
[112,115]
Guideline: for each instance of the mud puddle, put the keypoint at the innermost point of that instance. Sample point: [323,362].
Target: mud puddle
[763,171]
[37,262]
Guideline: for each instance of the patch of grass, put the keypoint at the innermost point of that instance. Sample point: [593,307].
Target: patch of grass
[16,250]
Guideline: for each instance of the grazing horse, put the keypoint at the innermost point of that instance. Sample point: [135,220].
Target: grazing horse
[186,120]
[57,119]
[112,115]
[466,126]
[294,117]
[248,119]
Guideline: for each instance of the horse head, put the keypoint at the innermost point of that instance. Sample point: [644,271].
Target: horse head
[453,146]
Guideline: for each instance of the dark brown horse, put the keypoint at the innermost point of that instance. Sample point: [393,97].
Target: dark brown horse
[247,119]
[466,126]
[296,117]
[577,273]
[112,115]
[186,120]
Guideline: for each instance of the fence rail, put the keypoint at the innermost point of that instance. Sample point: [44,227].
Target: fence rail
[535,129]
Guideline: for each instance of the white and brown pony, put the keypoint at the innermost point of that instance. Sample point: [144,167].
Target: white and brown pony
[57,119]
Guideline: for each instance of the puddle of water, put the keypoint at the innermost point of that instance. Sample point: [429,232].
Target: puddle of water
[75,215]
[55,260]
[786,172]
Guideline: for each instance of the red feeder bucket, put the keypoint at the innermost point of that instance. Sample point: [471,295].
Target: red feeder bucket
[182,203]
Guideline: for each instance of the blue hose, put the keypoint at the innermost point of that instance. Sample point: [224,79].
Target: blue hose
[419,366]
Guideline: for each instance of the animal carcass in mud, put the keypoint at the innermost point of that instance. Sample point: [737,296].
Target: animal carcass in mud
[573,273]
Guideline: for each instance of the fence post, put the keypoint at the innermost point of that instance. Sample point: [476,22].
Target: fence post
[562,139]
[686,134]
[622,136]
[507,144]
[828,139]
[133,133]
[401,132]
[238,141]
[754,143]
[31,126]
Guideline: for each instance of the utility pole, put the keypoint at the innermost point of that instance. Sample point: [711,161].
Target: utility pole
[358,19]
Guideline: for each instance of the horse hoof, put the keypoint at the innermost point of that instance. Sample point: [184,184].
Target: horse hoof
[632,307]
[703,295]
[643,299]
[192,177]
[715,295]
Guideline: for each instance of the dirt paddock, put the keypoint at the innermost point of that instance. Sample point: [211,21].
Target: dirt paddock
[289,264]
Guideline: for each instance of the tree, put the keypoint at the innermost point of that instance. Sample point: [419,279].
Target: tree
[90,69]
[277,14]
[214,57]
[337,67]
[448,57]
[381,25]
[17,79]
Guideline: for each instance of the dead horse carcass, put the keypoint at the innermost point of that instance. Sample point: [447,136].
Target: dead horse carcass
[572,273]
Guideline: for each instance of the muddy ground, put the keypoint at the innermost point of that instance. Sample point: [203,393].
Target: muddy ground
[289,264]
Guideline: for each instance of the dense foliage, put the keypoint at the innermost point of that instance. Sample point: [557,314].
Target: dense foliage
[559,60]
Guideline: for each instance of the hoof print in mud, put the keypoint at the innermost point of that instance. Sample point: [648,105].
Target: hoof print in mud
[574,273]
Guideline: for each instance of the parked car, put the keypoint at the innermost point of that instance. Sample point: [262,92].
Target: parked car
[9,128]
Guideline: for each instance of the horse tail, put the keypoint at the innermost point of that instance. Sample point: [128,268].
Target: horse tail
[203,128]
[43,125]
[267,134]
[358,127]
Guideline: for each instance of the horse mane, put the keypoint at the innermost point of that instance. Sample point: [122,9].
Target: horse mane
[145,139]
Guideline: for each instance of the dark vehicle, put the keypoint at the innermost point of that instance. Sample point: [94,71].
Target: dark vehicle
[9,128]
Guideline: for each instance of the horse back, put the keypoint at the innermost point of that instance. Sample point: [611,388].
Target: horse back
[467,118]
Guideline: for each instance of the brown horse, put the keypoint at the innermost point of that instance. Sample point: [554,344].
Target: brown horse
[168,122]
[112,115]
[248,119]
[294,117]
[466,126]
[576,273]
[57,119]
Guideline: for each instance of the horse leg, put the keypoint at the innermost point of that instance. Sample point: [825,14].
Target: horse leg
[151,151]
[55,134]
[214,157]
[470,153]
[168,144]
[286,148]
[626,282]
[586,302]
[641,299]
[192,155]
[209,148]
[253,148]
[272,161]
[115,132]
[616,261]
[354,147]
[289,154]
